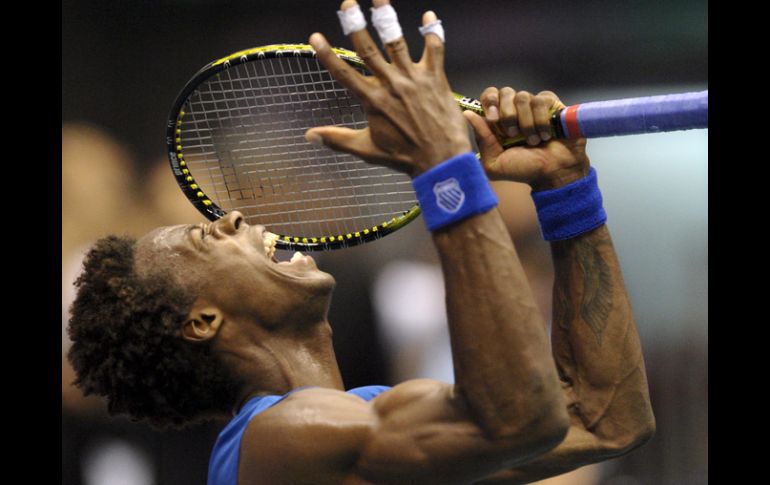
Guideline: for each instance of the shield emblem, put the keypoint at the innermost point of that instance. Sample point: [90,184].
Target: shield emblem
[449,195]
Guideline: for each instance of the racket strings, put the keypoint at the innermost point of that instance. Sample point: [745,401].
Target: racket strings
[243,140]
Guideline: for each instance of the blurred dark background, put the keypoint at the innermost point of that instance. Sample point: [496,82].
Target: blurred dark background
[124,62]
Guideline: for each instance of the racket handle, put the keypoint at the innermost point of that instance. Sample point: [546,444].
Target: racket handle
[632,116]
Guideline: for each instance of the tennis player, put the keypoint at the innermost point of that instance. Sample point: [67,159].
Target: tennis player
[200,321]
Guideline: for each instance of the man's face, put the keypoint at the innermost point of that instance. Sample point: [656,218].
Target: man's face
[231,265]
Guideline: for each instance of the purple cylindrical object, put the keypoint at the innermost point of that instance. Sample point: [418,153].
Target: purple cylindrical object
[651,114]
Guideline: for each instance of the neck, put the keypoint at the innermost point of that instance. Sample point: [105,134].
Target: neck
[275,362]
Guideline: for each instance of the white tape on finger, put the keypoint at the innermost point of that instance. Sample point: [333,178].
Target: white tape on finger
[434,27]
[351,19]
[385,21]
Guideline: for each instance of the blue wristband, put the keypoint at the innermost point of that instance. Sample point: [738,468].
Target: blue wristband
[454,190]
[571,210]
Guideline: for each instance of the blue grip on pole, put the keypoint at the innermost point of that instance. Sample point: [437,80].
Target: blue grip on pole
[632,116]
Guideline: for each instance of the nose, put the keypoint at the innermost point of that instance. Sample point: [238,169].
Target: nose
[229,224]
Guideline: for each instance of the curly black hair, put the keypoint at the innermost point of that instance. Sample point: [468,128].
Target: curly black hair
[127,343]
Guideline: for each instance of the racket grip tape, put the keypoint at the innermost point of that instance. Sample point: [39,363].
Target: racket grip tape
[631,116]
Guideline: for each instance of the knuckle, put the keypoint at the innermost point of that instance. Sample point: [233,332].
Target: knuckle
[398,49]
[434,46]
[489,94]
[368,51]
[374,99]
[398,44]
[538,107]
[551,99]
[522,98]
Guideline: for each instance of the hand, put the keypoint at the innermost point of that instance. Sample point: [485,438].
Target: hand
[414,123]
[546,163]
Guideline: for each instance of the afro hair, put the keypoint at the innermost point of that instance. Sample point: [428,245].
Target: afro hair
[127,343]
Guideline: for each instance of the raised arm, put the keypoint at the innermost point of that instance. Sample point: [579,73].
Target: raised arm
[595,343]
[506,406]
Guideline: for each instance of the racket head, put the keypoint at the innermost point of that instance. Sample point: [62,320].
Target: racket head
[221,147]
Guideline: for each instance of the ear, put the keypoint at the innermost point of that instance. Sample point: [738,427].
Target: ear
[202,323]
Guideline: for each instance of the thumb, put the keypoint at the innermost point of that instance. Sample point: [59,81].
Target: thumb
[356,142]
[517,164]
[338,138]
[489,146]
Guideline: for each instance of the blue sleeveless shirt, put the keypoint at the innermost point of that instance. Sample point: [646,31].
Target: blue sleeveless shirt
[223,464]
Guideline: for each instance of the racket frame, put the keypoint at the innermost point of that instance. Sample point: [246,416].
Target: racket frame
[211,210]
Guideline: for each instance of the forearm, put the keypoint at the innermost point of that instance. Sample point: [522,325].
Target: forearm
[595,343]
[500,346]
[599,360]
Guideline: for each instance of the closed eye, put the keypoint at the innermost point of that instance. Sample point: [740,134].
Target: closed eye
[202,230]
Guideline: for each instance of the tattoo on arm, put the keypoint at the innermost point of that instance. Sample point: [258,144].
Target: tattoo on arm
[597,287]
[588,275]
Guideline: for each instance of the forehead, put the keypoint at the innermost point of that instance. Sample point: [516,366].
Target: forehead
[165,237]
[163,248]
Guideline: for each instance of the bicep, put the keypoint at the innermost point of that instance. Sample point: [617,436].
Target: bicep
[416,432]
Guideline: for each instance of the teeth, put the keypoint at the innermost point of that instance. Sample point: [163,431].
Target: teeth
[269,244]
[296,256]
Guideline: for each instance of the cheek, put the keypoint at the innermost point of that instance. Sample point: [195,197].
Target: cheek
[238,279]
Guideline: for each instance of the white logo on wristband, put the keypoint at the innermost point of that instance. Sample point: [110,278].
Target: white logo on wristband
[449,196]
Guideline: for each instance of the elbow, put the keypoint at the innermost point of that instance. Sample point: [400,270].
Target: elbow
[548,434]
[641,434]
[541,420]
[550,429]
[551,421]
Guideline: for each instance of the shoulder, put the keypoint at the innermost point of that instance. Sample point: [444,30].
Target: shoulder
[310,434]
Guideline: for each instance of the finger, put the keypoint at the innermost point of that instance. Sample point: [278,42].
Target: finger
[385,20]
[508,114]
[490,101]
[541,117]
[398,53]
[365,47]
[552,105]
[433,52]
[522,101]
[339,69]
[552,100]
[348,140]
[489,145]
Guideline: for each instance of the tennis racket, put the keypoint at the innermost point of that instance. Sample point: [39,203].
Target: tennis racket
[235,138]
